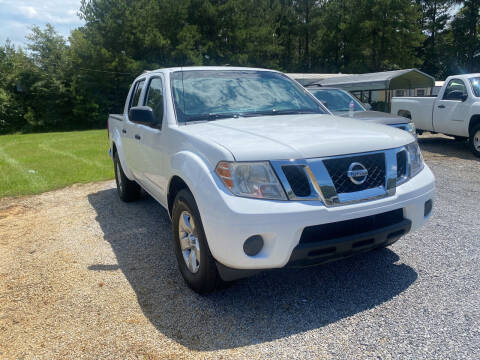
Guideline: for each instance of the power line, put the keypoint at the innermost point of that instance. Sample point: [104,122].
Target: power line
[105,71]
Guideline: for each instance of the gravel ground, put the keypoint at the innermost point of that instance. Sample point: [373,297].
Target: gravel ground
[83,275]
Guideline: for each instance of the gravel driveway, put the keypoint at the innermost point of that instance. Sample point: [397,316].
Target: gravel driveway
[83,275]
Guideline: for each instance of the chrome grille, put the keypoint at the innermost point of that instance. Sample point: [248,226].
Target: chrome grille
[327,179]
[338,168]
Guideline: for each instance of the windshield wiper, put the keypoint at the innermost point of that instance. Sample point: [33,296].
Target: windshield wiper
[281,112]
[236,115]
[214,116]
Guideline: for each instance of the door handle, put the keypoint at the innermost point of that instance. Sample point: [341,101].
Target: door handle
[441,106]
[138,137]
[124,131]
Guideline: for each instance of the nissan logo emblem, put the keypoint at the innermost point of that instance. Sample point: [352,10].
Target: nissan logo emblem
[357,173]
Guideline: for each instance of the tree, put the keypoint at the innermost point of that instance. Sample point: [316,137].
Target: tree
[434,21]
[464,29]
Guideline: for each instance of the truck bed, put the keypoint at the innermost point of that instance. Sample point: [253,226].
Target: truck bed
[419,109]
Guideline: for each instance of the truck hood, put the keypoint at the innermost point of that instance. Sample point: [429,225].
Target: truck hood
[376,116]
[282,137]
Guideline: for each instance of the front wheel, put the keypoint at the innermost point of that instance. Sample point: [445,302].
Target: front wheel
[194,259]
[475,140]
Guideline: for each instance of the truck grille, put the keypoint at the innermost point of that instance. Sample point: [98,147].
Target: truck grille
[338,168]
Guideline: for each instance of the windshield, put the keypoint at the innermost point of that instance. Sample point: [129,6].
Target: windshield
[475,82]
[212,94]
[337,100]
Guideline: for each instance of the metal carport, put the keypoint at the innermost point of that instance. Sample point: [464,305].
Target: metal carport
[377,88]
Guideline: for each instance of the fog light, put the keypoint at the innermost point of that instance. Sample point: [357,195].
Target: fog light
[253,245]
[428,208]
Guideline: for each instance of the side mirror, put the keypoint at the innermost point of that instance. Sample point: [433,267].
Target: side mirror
[142,115]
[464,97]
[367,106]
[324,103]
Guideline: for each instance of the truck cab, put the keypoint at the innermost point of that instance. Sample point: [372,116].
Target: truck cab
[454,111]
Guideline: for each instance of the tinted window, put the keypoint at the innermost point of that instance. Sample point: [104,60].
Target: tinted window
[136,93]
[210,95]
[455,90]
[337,100]
[475,82]
[155,99]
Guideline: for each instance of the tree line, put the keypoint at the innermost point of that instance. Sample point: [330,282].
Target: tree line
[58,84]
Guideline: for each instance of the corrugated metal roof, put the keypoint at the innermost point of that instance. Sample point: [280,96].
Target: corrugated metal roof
[396,79]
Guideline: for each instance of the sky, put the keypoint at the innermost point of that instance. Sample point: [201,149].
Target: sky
[18,16]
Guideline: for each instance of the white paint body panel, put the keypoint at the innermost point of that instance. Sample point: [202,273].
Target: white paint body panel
[192,152]
[450,117]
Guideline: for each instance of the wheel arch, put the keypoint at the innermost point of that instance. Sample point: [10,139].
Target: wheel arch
[405,113]
[175,185]
[474,121]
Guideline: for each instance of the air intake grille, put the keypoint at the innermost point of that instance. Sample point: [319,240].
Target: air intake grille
[297,179]
[401,164]
[338,168]
[340,229]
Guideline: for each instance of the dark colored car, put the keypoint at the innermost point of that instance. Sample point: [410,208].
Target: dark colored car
[342,103]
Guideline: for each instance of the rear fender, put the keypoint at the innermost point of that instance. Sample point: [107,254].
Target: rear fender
[117,140]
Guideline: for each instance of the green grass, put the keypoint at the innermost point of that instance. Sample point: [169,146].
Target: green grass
[34,163]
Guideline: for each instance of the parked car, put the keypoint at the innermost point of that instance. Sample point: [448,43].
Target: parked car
[342,103]
[455,111]
[256,174]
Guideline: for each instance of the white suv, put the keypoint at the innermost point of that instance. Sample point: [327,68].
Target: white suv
[256,174]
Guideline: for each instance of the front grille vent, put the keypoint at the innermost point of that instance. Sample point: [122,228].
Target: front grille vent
[401,164]
[297,178]
[338,168]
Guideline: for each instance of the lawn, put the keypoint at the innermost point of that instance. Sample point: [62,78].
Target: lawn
[34,163]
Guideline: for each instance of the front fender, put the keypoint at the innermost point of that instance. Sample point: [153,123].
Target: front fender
[206,187]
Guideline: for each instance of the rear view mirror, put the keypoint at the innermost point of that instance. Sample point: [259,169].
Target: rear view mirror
[142,115]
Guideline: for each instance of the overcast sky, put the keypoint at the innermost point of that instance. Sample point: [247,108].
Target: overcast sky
[17,17]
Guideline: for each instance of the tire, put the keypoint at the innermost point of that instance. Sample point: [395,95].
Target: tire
[474,140]
[195,261]
[128,190]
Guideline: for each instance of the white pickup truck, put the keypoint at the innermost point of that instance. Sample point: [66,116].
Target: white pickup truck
[256,174]
[455,111]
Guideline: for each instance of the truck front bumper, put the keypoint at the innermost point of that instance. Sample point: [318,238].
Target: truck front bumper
[283,224]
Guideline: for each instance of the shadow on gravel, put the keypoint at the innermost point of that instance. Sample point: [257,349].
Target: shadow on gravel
[269,306]
[447,147]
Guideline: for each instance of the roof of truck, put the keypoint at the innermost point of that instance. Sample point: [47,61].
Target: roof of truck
[465,76]
[191,68]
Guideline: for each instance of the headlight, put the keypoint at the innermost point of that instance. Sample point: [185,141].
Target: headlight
[251,179]
[415,159]
[412,129]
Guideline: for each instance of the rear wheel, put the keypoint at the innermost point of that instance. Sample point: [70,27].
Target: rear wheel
[475,140]
[194,259]
[128,190]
